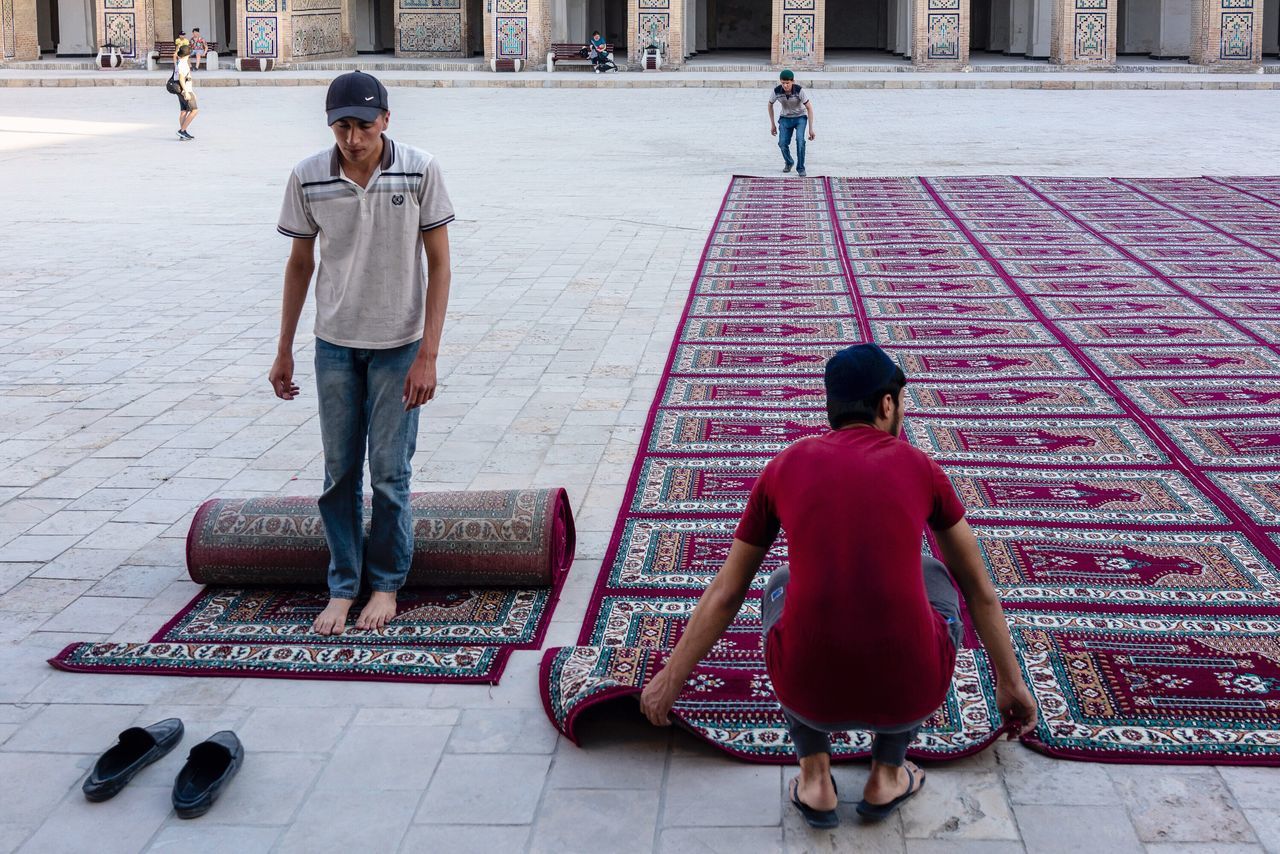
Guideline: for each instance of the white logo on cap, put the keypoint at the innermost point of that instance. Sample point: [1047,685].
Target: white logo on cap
[370,98]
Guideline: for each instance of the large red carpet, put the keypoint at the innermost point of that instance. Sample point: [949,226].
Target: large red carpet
[1093,361]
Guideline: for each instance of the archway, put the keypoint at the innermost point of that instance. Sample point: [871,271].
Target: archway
[864,31]
[475,28]
[1153,29]
[66,27]
[735,34]
[373,25]
[1009,31]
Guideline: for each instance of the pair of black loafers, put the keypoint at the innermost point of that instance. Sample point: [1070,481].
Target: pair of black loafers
[210,765]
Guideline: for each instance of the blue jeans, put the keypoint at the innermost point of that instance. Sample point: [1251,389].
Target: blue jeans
[798,126]
[361,396]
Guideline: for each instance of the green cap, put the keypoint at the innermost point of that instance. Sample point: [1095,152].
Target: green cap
[787,74]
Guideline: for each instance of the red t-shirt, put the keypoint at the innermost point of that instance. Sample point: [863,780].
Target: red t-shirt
[857,639]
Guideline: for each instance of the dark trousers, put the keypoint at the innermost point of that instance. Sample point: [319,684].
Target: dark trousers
[891,742]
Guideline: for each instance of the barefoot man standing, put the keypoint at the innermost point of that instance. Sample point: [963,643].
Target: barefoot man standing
[373,206]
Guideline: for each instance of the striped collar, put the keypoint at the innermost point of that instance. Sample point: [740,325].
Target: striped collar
[388,157]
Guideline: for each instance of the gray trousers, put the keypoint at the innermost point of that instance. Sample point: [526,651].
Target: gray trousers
[891,742]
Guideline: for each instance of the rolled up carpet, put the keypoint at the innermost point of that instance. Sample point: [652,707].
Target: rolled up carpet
[517,538]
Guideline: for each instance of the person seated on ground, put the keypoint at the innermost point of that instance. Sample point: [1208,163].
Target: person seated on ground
[858,635]
[199,48]
[598,51]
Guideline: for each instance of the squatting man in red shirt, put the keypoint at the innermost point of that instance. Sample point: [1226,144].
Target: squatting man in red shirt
[857,636]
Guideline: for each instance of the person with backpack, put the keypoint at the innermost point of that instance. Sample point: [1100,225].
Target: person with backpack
[180,84]
[598,51]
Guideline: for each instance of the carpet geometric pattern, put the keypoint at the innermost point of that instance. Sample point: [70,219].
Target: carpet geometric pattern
[449,635]
[1096,364]
[487,569]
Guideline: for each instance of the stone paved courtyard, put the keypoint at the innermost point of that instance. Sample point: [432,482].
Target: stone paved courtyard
[139,295]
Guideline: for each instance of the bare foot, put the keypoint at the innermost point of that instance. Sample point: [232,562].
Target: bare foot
[889,782]
[333,619]
[380,610]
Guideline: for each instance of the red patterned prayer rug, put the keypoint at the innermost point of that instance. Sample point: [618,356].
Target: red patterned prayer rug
[1096,364]
[488,567]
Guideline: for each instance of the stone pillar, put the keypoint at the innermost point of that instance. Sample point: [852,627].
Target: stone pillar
[1227,34]
[800,34]
[659,22]
[905,30]
[1001,24]
[940,34]
[130,27]
[1041,38]
[1019,27]
[430,32]
[1084,33]
[76,36]
[1174,39]
[261,28]
[19,31]
[518,29]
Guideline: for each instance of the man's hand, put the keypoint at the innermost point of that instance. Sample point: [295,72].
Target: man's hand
[773,130]
[659,696]
[420,383]
[812,136]
[281,377]
[1016,704]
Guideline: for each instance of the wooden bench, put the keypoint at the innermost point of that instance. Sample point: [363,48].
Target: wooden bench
[166,51]
[506,64]
[571,54]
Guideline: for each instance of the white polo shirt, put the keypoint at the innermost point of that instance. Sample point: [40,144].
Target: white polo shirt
[371,283]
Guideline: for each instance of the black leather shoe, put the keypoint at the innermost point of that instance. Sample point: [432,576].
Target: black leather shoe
[137,748]
[210,766]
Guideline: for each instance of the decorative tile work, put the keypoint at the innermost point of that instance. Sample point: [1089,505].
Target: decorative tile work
[261,35]
[799,5]
[512,35]
[317,34]
[655,4]
[514,7]
[118,4]
[1091,35]
[121,32]
[7,28]
[944,34]
[655,28]
[431,4]
[1237,35]
[316,6]
[798,37]
[257,6]
[430,32]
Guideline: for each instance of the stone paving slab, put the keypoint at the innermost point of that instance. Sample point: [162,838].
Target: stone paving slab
[139,294]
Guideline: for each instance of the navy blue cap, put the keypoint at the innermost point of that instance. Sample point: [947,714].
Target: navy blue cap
[356,95]
[857,372]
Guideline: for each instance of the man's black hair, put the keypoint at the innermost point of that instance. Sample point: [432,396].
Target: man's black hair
[841,413]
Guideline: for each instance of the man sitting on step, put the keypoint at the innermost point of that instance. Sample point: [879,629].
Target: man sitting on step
[860,630]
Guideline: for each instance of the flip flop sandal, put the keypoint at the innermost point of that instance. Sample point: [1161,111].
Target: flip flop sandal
[879,812]
[821,819]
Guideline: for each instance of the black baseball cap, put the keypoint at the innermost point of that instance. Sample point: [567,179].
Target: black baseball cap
[356,95]
[856,373]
